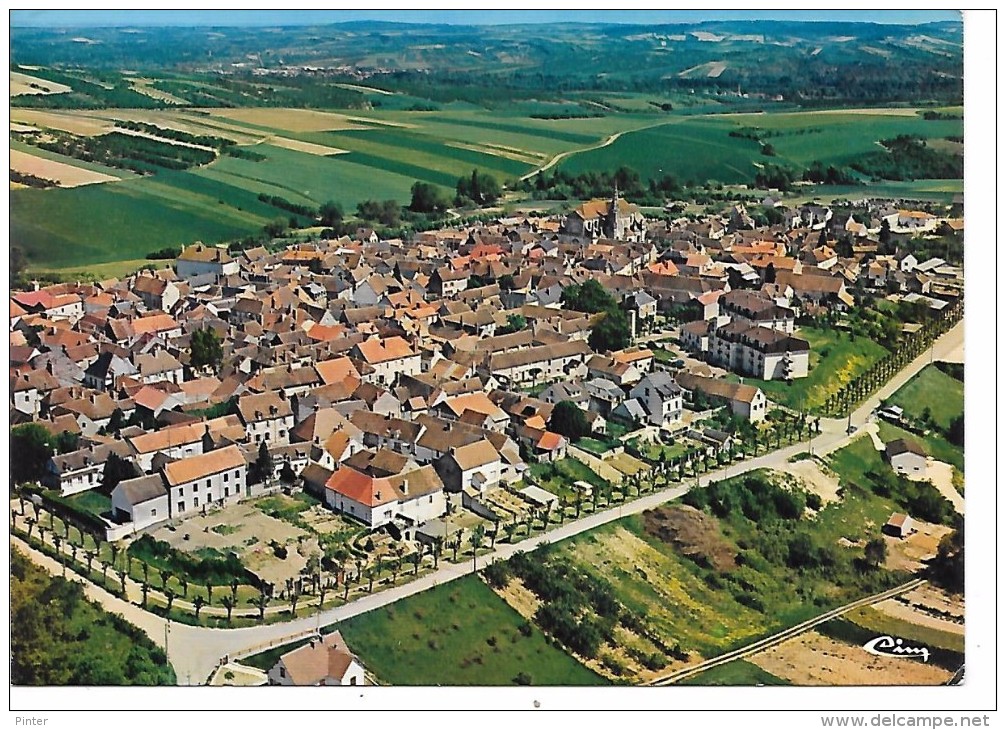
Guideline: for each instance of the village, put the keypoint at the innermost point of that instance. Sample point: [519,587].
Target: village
[249,432]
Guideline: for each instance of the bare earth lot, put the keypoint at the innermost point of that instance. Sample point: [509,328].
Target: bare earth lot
[67,175]
[248,532]
[812,659]
[815,479]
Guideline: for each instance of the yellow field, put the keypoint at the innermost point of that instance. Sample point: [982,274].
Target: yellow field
[307,147]
[292,120]
[178,120]
[67,175]
[73,122]
[142,86]
[21,84]
[27,128]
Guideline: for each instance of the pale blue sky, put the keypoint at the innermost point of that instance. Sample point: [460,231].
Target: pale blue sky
[97,18]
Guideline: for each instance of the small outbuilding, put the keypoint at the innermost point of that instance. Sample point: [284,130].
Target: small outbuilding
[899,526]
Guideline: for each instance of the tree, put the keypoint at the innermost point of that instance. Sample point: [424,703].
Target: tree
[955,434]
[116,470]
[65,442]
[885,232]
[286,474]
[875,552]
[475,539]
[206,349]
[427,198]
[567,419]
[330,213]
[30,450]
[612,332]
[262,468]
[260,603]
[514,323]
[228,603]
[588,297]
[170,595]
[198,602]
[480,188]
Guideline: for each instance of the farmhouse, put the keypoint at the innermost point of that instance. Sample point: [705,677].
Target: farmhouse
[745,401]
[415,496]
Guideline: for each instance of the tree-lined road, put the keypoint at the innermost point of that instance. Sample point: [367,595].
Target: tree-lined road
[195,651]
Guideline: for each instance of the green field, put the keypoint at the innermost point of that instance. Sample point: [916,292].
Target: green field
[834,362]
[734,674]
[932,389]
[699,147]
[457,634]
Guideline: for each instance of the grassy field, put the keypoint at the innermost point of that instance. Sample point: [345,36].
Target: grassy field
[734,674]
[932,389]
[457,634]
[870,618]
[558,478]
[834,362]
[93,501]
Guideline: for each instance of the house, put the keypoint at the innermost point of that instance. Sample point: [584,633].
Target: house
[620,373]
[216,477]
[325,661]
[389,357]
[899,525]
[83,469]
[199,259]
[103,373]
[447,282]
[541,364]
[604,396]
[660,397]
[266,417]
[907,457]
[184,440]
[475,466]
[544,444]
[142,501]
[570,390]
[745,401]
[416,495]
[158,366]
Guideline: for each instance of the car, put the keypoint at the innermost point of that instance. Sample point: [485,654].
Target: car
[851,429]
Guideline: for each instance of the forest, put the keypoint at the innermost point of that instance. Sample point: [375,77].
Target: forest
[58,637]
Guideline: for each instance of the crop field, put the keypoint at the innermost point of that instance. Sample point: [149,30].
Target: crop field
[73,122]
[458,634]
[309,179]
[68,176]
[63,228]
[21,83]
[289,120]
[699,147]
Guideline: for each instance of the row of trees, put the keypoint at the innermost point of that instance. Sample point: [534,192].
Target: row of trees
[908,348]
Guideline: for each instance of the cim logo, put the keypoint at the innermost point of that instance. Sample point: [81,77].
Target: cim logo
[890,646]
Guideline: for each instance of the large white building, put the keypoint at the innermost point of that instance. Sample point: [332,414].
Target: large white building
[415,496]
[759,352]
[215,477]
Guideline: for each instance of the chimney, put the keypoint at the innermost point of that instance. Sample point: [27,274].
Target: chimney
[48,368]
[405,487]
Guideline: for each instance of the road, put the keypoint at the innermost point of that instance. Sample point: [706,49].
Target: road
[770,641]
[195,651]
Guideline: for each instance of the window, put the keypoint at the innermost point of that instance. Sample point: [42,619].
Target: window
[195,501]
[226,477]
[153,513]
[282,671]
[181,506]
[237,473]
[431,499]
[352,681]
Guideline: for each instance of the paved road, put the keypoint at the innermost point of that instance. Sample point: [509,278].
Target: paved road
[195,651]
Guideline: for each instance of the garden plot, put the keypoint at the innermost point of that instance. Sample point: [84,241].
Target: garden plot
[508,503]
[627,464]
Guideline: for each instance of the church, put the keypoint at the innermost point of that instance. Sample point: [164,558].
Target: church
[615,218]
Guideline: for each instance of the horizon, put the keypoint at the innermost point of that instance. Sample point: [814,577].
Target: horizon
[290,18]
